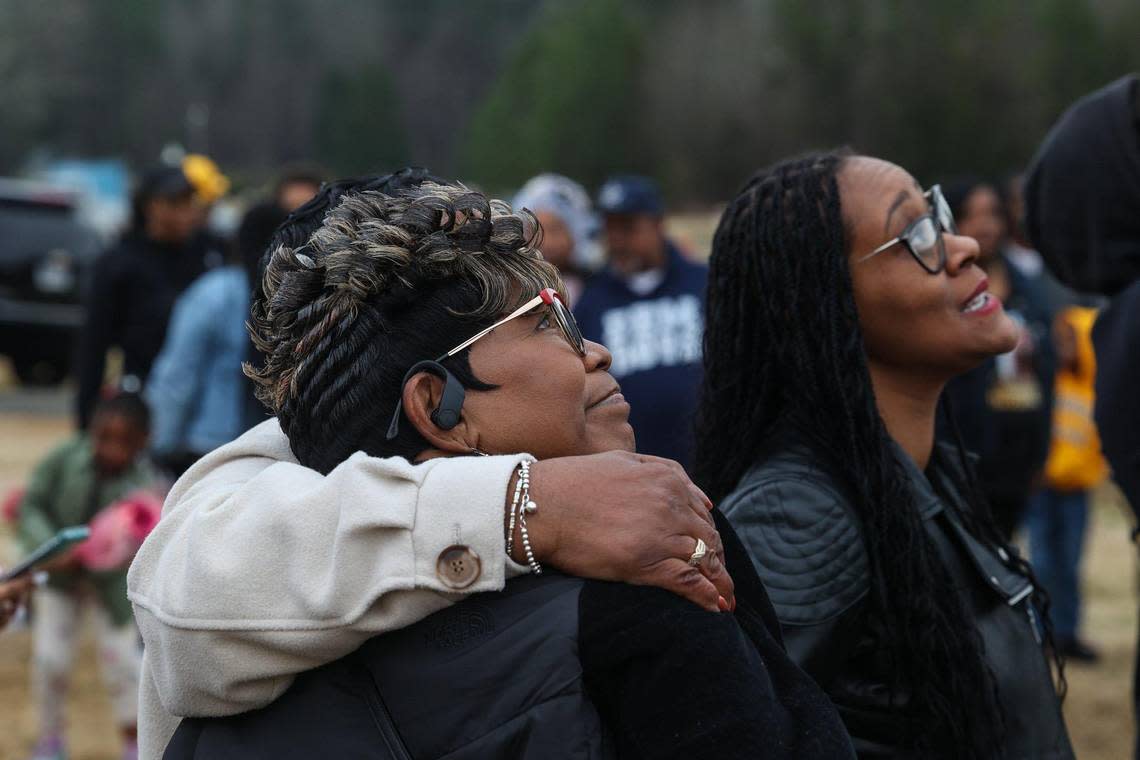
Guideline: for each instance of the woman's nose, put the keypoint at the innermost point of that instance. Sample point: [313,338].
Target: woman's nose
[598,357]
[961,252]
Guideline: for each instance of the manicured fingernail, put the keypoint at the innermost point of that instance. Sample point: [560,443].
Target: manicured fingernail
[722,603]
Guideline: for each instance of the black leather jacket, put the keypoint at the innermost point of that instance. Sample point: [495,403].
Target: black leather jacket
[805,540]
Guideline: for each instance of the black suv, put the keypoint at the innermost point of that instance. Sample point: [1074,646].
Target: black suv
[45,253]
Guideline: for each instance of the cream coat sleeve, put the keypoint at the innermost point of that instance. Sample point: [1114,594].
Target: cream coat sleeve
[261,569]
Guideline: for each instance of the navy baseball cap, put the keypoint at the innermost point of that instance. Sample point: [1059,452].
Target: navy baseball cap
[630,194]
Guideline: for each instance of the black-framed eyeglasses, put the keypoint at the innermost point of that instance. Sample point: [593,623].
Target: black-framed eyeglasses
[923,237]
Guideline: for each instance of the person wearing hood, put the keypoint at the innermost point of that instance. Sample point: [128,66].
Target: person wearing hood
[1083,214]
[1082,200]
[134,285]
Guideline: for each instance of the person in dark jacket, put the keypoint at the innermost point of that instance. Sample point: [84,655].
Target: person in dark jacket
[554,666]
[1083,213]
[134,285]
[646,306]
[1082,197]
[841,301]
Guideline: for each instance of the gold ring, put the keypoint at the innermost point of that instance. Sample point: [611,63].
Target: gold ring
[699,553]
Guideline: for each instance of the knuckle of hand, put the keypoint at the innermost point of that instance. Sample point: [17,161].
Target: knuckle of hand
[690,577]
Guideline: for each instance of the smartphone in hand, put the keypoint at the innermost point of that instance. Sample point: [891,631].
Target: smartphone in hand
[53,547]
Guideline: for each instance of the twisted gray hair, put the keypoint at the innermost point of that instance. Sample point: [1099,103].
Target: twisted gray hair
[377,286]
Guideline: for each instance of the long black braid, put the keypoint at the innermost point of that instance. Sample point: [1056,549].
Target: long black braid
[980,521]
[783,347]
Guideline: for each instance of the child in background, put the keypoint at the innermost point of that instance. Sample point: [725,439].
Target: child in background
[70,487]
[1058,514]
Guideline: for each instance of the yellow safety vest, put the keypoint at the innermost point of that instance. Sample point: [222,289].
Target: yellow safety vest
[1075,461]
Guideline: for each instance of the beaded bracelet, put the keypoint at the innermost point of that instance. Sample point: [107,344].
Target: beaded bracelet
[513,512]
[526,506]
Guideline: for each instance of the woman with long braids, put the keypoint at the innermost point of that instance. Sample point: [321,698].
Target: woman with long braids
[425,325]
[841,301]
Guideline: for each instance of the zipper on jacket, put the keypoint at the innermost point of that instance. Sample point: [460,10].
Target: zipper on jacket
[383,719]
[1033,621]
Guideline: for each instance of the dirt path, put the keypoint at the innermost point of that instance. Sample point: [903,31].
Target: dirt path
[1098,709]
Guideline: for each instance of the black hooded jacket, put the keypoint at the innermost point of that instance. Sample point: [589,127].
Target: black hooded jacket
[1082,200]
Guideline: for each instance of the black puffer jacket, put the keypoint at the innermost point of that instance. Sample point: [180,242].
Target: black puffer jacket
[805,540]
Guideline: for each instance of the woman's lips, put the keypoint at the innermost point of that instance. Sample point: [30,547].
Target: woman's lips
[981,305]
[981,301]
[982,287]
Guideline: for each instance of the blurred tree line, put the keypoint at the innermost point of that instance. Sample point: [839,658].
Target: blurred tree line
[696,93]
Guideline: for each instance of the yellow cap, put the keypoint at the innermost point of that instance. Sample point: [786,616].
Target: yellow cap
[208,181]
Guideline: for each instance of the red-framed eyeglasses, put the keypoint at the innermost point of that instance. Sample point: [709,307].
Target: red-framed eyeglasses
[558,312]
[447,413]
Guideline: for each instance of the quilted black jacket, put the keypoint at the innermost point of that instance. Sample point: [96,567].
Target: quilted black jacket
[806,543]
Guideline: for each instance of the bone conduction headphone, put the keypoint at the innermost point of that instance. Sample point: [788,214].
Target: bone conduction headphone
[446,415]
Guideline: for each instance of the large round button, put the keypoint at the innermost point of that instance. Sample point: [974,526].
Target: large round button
[458,566]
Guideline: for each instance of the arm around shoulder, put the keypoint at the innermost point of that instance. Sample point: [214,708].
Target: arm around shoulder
[261,568]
